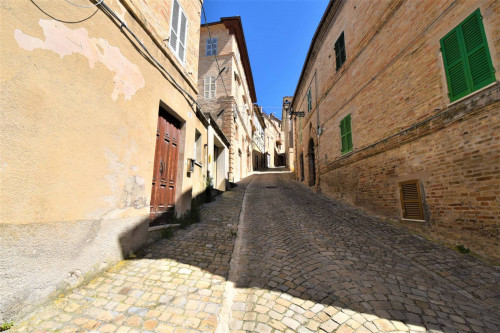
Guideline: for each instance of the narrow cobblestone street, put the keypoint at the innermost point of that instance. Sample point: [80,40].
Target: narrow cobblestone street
[254,264]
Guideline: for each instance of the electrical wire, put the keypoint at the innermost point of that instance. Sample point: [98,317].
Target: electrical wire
[214,53]
[93,5]
[63,21]
[217,63]
[124,25]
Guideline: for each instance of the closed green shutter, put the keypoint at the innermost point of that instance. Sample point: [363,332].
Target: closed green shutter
[478,54]
[466,58]
[455,65]
[346,134]
[309,100]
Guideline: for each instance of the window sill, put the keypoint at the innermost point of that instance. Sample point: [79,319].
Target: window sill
[345,153]
[472,94]
[412,220]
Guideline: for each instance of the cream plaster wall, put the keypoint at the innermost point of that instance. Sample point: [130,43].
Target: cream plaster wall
[77,141]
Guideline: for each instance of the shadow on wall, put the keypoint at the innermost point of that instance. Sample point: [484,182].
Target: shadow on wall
[331,270]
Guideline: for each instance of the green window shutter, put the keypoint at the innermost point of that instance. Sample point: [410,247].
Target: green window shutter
[477,52]
[346,134]
[466,57]
[454,62]
[309,100]
[342,136]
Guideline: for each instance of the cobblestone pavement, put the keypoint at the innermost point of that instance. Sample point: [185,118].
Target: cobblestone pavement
[272,256]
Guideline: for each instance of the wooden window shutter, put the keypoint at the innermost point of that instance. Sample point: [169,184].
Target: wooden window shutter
[175,25]
[346,134]
[214,46]
[466,57]
[411,200]
[182,37]
[342,136]
[309,100]
[209,47]
[454,65]
[478,54]
[340,54]
[206,87]
[212,87]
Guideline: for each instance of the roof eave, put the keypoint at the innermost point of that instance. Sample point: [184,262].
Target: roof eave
[316,34]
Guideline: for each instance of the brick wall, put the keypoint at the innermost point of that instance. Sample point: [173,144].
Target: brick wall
[404,127]
[237,131]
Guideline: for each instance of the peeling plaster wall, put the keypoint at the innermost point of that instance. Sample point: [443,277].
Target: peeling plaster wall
[77,140]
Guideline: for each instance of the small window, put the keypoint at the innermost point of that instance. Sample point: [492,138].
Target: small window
[211,46]
[340,51]
[411,200]
[466,57]
[309,100]
[178,32]
[197,147]
[346,134]
[209,87]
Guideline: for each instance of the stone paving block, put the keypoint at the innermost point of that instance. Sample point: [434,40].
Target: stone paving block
[329,326]
[341,270]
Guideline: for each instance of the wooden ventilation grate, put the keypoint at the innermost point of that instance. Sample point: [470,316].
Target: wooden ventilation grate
[411,200]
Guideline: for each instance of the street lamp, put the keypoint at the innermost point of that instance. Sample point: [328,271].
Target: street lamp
[288,109]
[286,106]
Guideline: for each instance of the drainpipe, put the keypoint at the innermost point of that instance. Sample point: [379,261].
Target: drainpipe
[319,130]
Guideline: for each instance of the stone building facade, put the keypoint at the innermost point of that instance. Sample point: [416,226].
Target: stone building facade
[402,109]
[273,141]
[226,89]
[99,130]
[288,145]
[258,139]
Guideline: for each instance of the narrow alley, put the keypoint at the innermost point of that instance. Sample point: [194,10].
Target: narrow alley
[255,265]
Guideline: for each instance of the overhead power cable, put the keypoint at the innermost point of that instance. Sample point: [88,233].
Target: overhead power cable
[77,5]
[59,20]
[214,53]
[124,25]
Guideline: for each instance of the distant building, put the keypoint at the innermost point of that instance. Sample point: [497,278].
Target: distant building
[96,137]
[273,141]
[226,89]
[288,136]
[402,115]
[258,139]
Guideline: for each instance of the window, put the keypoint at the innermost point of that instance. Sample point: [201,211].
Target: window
[211,46]
[209,90]
[346,134]
[309,100]
[300,129]
[340,51]
[178,32]
[411,200]
[466,58]
[197,147]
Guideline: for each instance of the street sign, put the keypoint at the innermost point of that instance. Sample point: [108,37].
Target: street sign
[298,113]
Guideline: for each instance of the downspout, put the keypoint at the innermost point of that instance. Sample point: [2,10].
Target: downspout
[319,130]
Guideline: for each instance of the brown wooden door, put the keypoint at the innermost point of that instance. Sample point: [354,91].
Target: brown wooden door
[165,165]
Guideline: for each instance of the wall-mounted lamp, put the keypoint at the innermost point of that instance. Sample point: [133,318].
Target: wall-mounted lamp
[286,106]
[190,164]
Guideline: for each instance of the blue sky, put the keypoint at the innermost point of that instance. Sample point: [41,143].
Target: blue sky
[278,34]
